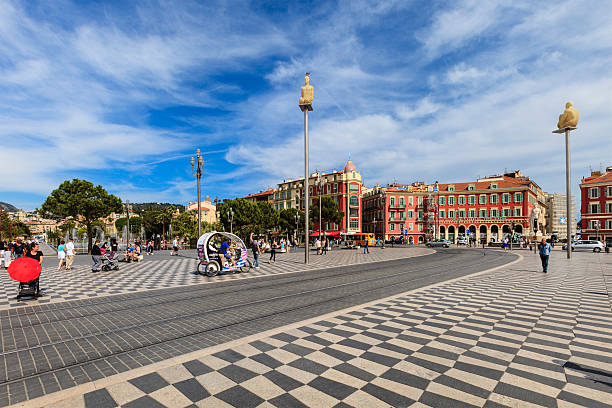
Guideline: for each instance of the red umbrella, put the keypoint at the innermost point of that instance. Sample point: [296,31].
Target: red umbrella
[24,269]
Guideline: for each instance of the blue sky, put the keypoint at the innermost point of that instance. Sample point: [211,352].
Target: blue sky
[122,93]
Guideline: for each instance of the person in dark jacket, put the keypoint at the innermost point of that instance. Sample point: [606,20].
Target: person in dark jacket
[544,249]
[96,255]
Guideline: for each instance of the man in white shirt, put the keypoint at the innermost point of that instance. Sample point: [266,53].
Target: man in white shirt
[175,247]
[69,254]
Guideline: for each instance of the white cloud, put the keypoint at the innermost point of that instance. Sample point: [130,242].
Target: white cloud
[423,108]
[452,28]
[476,93]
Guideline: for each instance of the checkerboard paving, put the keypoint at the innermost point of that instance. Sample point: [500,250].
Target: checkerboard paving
[514,337]
[80,283]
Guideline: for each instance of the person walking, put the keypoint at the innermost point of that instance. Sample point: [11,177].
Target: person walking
[366,246]
[18,249]
[114,247]
[272,252]
[324,246]
[256,251]
[318,246]
[175,247]
[61,255]
[544,249]
[69,254]
[96,255]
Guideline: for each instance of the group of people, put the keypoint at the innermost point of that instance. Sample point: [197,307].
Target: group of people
[65,254]
[259,246]
[15,249]
[322,245]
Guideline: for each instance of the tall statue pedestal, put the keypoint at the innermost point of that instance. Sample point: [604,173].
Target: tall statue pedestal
[306,107]
[565,129]
[568,190]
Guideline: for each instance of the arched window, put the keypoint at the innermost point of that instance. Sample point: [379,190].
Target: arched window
[354,201]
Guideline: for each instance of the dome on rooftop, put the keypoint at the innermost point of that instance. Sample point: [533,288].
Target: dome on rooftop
[349,166]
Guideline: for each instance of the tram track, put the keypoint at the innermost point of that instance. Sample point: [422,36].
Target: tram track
[134,302]
[180,316]
[170,328]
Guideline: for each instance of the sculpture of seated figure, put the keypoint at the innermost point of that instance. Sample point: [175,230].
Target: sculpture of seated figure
[569,117]
[306,92]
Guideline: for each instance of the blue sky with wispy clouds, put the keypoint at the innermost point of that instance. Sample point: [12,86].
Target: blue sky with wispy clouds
[122,93]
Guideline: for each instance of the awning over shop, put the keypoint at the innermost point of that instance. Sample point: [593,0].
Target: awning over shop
[326,234]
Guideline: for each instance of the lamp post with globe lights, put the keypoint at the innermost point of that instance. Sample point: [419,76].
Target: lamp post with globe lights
[197,172]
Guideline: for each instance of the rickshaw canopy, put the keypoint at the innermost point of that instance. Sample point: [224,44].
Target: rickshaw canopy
[205,239]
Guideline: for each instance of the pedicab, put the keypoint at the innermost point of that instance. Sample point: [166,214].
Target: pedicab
[209,250]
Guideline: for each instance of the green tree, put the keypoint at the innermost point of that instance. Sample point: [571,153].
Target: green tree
[186,225]
[164,217]
[6,226]
[329,212]
[248,217]
[135,224]
[12,228]
[287,221]
[81,200]
[66,227]
[270,216]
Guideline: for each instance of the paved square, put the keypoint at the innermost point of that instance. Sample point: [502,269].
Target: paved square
[80,283]
[513,337]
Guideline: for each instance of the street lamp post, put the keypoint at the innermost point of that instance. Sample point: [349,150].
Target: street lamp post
[197,172]
[297,218]
[127,211]
[230,217]
[305,104]
[457,228]
[320,184]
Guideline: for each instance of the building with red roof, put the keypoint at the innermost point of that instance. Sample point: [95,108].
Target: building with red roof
[596,206]
[344,187]
[267,195]
[486,209]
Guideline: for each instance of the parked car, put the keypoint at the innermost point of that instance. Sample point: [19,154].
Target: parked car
[587,245]
[439,243]
[462,240]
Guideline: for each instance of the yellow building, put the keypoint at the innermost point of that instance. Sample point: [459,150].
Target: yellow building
[209,210]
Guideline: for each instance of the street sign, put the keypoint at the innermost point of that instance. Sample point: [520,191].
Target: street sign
[562,220]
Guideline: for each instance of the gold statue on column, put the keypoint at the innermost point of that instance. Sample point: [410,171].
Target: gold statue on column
[306,92]
[569,117]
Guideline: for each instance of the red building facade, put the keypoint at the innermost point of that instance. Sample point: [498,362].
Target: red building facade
[489,208]
[344,187]
[596,206]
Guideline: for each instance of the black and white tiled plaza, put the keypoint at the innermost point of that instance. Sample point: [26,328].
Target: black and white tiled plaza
[512,337]
[168,272]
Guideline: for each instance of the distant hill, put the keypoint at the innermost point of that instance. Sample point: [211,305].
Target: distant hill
[8,207]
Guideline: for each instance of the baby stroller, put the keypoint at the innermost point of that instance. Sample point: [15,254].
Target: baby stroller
[29,289]
[109,264]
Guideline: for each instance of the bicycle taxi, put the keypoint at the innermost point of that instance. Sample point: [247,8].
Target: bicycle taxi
[210,254]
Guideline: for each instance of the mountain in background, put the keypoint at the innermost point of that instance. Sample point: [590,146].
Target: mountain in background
[8,207]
